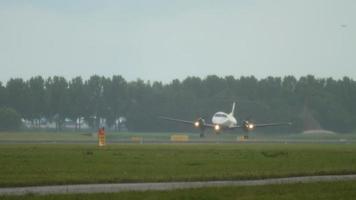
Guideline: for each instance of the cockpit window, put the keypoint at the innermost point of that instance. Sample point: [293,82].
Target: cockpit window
[220,115]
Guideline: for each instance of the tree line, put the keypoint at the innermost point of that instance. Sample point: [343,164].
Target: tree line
[308,102]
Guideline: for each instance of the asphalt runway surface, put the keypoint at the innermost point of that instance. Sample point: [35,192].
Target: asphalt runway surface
[191,141]
[162,186]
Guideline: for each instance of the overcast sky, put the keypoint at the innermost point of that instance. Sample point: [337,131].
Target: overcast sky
[163,40]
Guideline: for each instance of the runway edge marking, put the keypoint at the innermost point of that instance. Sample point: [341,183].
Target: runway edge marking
[121,187]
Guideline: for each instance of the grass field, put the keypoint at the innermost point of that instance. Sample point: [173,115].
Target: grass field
[312,191]
[68,163]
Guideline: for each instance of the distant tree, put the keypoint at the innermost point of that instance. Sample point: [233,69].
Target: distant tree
[271,99]
[107,96]
[292,106]
[331,103]
[36,86]
[245,86]
[57,100]
[10,120]
[190,94]
[18,97]
[115,98]
[336,108]
[2,95]
[96,107]
[270,88]
[138,117]
[214,85]
[77,101]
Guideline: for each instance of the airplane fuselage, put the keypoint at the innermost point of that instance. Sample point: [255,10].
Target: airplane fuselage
[224,120]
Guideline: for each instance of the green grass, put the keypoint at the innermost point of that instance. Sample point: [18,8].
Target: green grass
[63,163]
[312,191]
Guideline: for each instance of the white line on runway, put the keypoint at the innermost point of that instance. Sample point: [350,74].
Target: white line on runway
[119,187]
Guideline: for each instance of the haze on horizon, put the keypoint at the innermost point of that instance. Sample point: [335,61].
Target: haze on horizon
[164,40]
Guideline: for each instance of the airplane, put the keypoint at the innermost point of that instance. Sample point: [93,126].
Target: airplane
[223,121]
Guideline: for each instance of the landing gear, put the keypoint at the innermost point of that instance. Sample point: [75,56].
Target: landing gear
[202,133]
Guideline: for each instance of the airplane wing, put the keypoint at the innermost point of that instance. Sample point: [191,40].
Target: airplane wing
[193,123]
[177,120]
[249,125]
[273,124]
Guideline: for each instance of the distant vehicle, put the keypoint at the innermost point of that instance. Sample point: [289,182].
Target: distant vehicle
[223,121]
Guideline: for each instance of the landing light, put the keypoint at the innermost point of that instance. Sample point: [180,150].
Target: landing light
[217,127]
[196,124]
[251,126]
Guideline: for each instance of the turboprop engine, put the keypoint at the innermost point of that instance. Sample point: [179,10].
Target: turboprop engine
[247,125]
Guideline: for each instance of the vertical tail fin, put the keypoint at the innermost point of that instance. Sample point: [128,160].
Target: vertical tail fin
[233,109]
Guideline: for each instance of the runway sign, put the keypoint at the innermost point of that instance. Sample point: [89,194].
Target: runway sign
[179,138]
[101,137]
[137,139]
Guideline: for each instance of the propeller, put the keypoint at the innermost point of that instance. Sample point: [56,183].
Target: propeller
[248,125]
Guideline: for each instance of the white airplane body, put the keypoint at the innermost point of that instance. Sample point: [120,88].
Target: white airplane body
[223,121]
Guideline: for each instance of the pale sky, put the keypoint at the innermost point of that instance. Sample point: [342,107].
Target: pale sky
[163,39]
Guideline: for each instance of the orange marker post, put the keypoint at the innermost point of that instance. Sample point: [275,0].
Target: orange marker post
[101,137]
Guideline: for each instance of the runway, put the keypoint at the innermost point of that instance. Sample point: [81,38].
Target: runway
[121,187]
[192,141]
